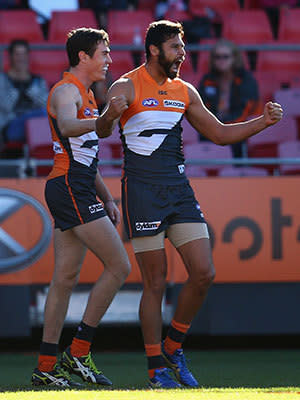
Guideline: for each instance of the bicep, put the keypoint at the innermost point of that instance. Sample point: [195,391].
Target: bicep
[64,103]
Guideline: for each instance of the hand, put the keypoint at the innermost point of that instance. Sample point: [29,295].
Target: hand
[272,113]
[112,211]
[116,107]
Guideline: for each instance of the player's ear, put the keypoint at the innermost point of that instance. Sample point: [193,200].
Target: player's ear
[83,56]
[154,50]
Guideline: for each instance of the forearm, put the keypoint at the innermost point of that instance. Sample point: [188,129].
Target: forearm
[104,125]
[77,127]
[233,133]
[102,190]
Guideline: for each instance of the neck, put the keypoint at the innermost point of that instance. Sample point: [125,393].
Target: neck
[226,75]
[82,77]
[156,72]
[19,74]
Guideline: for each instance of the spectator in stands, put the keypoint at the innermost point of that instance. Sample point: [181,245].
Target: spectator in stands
[272,8]
[23,94]
[228,90]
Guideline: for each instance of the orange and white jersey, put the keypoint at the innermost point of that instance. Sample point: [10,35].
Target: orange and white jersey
[74,154]
[151,128]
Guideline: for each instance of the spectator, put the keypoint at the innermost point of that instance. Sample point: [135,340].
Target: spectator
[228,90]
[24,95]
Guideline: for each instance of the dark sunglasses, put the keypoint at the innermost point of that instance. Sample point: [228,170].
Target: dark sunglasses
[222,56]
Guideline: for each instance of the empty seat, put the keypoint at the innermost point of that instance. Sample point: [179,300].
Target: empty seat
[19,24]
[177,15]
[269,83]
[106,154]
[290,100]
[242,171]
[265,143]
[146,5]
[247,26]
[122,62]
[289,150]
[251,4]
[220,7]
[285,62]
[64,21]
[123,26]
[289,27]
[207,151]
[39,142]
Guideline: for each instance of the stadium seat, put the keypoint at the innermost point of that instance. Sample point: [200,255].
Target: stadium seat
[206,151]
[265,143]
[289,150]
[122,26]
[147,5]
[16,24]
[289,27]
[251,4]
[106,153]
[290,101]
[247,26]
[176,15]
[122,62]
[220,7]
[189,134]
[269,83]
[285,62]
[39,142]
[62,22]
[242,171]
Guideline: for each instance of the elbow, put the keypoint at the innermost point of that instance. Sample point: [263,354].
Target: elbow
[219,138]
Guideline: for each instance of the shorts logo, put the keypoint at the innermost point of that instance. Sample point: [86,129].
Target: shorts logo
[96,112]
[174,104]
[150,102]
[57,148]
[181,168]
[87,112]
[95,208]
[147,226]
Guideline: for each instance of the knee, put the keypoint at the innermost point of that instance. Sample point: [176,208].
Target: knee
[65,281]
[155,285]
[125,268]
[204,279]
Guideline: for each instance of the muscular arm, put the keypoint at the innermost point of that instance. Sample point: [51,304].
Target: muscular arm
[206,123]
[65,103]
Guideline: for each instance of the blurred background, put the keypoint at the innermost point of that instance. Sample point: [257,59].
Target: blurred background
[240,54]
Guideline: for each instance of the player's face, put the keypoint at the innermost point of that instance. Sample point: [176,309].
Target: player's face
[223,59]
[172,56]
[100,62]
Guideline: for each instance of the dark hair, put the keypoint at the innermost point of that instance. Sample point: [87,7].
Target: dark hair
[238,63]
[159,32]
[15,43]
[84,39]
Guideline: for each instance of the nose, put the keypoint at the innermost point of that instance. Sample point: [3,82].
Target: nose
[109,60]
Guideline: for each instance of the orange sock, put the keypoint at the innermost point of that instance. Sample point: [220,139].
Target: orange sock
[175,337]
[154,357]
[80,347]
[46,363]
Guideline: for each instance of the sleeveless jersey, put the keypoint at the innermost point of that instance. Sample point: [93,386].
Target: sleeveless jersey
[151,129]
[74,154]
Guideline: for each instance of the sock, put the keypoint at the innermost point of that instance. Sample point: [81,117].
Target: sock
[154,358]
[82,341]
[175,337]
[47,357]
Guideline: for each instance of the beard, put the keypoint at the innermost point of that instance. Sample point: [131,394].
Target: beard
[167,65]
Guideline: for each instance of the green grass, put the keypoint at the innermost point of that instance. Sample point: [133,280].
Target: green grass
[232,375]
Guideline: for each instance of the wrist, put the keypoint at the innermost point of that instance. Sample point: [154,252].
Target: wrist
[107,201]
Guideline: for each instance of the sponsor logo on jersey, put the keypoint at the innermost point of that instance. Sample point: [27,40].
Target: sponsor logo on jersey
[96,112]
[87,112]
[181,168]
[150,102]
[57,148]
[147,226]
[95,208]
[174,104]
[162,92]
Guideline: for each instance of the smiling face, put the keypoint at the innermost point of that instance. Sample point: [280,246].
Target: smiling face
[171,56]
[99,63]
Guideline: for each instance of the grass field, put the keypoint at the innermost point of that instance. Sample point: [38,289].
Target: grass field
[223,375]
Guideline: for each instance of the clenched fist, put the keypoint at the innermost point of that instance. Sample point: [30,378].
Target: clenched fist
[272,113]
[116,107]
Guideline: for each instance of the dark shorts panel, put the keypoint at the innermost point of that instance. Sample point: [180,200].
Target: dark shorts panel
[149,209]
[72,202]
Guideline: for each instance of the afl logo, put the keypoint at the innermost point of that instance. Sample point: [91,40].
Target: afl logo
[87,112]
[150,102]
